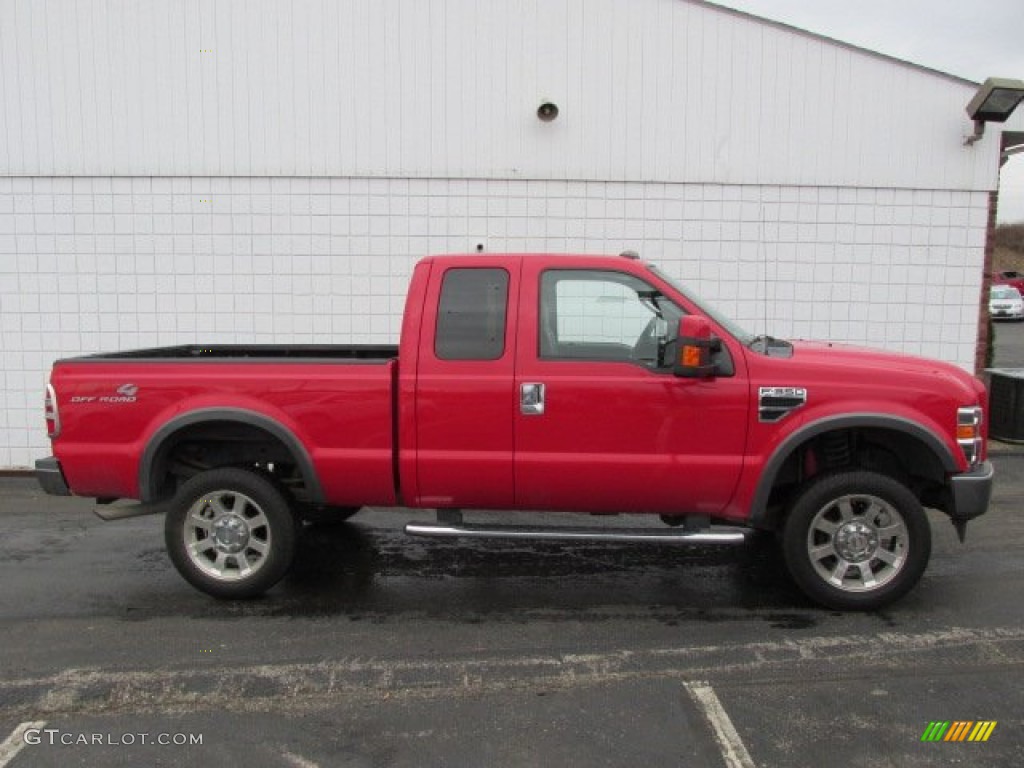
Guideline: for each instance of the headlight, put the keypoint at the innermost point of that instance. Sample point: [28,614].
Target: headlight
[968,433]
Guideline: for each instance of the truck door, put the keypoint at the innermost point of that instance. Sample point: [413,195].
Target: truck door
[600,426]
[464,387]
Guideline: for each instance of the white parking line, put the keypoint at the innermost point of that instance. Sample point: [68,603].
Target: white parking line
[16,741]
[734,752]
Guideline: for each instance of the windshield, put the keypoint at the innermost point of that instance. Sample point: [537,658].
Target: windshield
[742,335]
[1005,292]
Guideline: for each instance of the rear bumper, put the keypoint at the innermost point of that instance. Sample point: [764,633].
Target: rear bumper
[50,477]
[971,492]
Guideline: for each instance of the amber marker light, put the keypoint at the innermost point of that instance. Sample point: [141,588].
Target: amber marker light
[966,431]
[691,356]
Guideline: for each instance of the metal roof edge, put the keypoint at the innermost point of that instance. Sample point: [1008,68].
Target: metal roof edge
[840,43]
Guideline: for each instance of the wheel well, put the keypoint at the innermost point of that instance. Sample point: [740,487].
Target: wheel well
[890,452]
[204,445]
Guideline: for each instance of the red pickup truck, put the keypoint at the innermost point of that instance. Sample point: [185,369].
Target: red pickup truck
[533,382]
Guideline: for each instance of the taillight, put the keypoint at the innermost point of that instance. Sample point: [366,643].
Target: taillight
[52,415]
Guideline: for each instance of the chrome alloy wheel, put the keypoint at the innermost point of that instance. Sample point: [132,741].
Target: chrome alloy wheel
[227,535]
[858,542]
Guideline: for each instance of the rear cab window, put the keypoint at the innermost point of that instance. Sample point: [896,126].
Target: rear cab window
[472,314]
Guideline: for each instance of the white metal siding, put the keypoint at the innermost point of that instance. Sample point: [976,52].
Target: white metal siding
[94,264]
[649,90]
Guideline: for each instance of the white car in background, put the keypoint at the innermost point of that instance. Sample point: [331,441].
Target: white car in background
[1005,303]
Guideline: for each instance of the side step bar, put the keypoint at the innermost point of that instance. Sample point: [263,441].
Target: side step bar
[714,535]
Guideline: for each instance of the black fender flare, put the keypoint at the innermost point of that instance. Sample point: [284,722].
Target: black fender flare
[759,506]
[147,489]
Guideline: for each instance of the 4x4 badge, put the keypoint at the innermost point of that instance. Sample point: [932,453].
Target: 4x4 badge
[128,390]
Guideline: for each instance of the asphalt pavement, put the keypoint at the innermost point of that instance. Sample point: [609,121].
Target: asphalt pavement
[379,650]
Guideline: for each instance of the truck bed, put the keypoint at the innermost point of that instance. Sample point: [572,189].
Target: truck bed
[334,404]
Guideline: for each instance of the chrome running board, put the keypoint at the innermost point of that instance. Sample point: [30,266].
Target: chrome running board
[712,535]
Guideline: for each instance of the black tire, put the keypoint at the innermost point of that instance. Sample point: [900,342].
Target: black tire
[231,533]
[856,521]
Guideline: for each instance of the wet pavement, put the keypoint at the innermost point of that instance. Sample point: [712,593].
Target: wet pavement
[379,649]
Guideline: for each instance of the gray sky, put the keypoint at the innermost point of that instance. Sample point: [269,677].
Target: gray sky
[974,40]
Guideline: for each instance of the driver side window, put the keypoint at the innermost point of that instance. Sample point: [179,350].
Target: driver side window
[606,316]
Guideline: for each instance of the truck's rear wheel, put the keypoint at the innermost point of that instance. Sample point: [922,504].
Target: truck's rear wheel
[856,540]
[231,533]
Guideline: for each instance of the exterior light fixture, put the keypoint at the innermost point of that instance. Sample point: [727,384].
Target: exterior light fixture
[547,112]
[993,103]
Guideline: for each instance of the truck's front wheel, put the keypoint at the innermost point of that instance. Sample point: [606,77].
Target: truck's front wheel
[231,533]
[856,540]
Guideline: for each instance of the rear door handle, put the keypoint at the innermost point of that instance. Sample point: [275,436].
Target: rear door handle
[531,399]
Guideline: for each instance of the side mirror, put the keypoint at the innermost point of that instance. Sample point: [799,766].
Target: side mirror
[694,345]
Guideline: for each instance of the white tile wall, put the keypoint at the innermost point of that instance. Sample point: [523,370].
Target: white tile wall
[94,264]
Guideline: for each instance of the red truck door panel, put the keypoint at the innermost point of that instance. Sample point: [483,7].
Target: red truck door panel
[597,426]
[464,389]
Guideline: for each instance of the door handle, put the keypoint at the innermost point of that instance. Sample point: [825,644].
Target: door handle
[531,399]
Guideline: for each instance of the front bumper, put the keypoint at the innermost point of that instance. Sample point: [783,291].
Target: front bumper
[51,478]
[1006,313]
[971,492]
